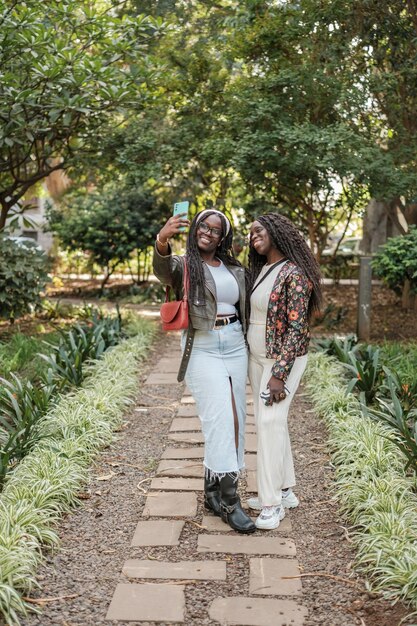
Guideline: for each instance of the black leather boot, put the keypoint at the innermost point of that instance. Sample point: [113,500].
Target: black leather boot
[231,509]
[212,495]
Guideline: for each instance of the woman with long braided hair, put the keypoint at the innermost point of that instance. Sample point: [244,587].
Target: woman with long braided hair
[214,359]
[283,283]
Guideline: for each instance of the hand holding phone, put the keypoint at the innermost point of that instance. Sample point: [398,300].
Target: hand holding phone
[181,210]
[176,224]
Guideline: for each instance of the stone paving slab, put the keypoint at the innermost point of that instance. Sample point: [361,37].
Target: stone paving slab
[187,400]
[251,443]
[187,411]
[185,424]
[268,577]
[183,453]
[167,366]
[251,483]
[161,379]
[192,468]
[170,504]
[250,462]
[182,570]
[177,484]
[187,437]
[257,612]
[236,544]
[158,533]
[215,524]
[147,603]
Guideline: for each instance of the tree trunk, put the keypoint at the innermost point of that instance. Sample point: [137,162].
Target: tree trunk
[5,208]
[384,219]
[406,295]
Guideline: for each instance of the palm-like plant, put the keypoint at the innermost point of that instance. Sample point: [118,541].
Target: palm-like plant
[367,369]
[403,422]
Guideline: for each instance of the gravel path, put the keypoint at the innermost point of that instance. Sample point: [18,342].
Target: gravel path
[96,537]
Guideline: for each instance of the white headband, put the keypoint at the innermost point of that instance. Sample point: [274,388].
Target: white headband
[202,213]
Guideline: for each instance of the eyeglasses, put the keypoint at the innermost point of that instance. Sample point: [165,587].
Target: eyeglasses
[205,228]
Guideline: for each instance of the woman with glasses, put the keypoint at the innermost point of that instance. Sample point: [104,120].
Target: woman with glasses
[214,361]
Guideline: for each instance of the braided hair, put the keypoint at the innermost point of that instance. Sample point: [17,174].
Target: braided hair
[288,240]
[195,263]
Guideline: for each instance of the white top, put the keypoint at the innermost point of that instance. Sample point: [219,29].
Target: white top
[259,301]
[227,289]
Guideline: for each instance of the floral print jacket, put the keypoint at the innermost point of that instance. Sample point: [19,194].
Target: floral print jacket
[287,329]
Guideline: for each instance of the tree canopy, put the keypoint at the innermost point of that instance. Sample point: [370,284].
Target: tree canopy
[297,106]
[68,69]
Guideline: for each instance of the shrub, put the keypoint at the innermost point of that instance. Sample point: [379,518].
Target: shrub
[396,262]
[23,275]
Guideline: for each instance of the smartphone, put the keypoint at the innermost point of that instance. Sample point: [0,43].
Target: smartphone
[181,208]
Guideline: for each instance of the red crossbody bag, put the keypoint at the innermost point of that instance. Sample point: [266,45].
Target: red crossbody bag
[174,314]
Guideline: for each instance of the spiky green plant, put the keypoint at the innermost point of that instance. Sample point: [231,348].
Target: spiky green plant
[45,483]
[365,365]
[403,422]
[372,489]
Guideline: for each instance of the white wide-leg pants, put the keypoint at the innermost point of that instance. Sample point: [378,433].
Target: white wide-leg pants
[275,467]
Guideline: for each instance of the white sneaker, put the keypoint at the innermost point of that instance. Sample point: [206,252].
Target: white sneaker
[289,499]
[270,517]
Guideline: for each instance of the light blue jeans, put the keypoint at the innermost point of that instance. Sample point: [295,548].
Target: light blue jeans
[216,374]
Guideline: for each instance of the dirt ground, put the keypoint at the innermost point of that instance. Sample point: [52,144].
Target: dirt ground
[388,320]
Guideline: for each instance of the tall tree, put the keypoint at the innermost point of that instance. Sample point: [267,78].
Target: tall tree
[380,40]
[67,67]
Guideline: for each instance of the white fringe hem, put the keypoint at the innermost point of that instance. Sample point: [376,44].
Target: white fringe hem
[210,474]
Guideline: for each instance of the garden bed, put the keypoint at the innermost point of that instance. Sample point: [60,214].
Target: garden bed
[45,484]
[374,491]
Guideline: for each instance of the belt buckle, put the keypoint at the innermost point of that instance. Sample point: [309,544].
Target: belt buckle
[222,322]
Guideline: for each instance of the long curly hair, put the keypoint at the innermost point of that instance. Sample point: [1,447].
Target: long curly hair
[195,263]
[288,240]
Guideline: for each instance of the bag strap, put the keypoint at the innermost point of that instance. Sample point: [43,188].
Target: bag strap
[185,280]
[184,283]
[267,274]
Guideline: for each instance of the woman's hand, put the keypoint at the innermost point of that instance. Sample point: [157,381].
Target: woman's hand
[174,225]
[276,388]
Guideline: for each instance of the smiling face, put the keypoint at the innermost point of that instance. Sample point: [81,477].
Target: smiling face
[208,241]
[260,239]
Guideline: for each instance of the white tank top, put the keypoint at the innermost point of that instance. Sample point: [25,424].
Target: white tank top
[227,289]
